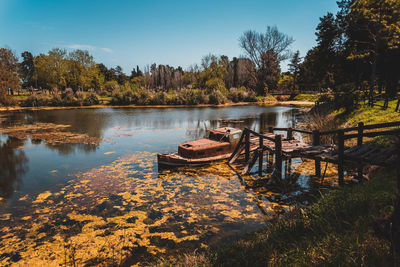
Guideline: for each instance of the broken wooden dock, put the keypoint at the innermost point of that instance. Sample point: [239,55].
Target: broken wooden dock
[285,146]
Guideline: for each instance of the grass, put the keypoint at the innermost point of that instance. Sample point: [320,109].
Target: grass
[306,97]
[337,230]
[370,115]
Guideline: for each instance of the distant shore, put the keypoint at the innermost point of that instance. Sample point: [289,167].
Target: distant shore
[272,103]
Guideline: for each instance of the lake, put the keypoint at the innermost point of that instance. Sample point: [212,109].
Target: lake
[83,186]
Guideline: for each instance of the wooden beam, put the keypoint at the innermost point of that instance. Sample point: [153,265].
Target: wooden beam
[278,156]
[260,156]
[247,146]
[341,157]
[316,142]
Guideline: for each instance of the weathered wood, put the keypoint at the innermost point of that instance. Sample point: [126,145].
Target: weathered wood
[316,142]
[289,134]
[247,145]
[360,133]
[250,163]
[278,156]
[260,156]
[238,152]
[341,157]
[238,145]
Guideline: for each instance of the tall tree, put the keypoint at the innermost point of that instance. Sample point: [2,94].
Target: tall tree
[8,73]
[374,29]
[28,70]
[261,46]
[294,67]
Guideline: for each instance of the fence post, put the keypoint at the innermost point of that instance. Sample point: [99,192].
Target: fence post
[247,146]
[289,135]
[260,156]
[317,142]
[341,156]
[360,133]
[359,143]
[278,156]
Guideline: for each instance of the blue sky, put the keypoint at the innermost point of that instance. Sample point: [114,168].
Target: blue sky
[174,32]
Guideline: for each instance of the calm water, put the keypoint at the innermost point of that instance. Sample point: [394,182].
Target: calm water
[84,202]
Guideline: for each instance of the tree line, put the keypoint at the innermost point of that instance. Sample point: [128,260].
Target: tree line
[358,50]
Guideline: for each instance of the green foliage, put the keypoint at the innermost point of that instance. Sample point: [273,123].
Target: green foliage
[217,98]
[216,84]
[91,99]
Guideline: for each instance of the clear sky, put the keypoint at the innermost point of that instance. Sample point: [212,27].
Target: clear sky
[174,32]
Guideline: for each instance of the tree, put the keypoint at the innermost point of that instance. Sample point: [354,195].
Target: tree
[272,47]
[52,69]
[8,74]
[28,70]
[294,67]
[374,31]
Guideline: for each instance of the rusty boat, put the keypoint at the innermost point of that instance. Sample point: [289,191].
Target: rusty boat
[217,144]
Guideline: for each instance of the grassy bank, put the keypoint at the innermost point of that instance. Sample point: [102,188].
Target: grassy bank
[337,230]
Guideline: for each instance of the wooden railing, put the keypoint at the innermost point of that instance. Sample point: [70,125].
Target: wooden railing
[342,136]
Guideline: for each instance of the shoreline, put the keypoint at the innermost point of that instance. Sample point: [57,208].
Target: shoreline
[277,103]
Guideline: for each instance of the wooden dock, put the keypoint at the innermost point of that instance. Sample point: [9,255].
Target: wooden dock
[285,146]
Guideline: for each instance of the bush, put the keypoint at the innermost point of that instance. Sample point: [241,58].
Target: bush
[250,97]
[216,84]
[160,98]
[125,97]
[36,100]
[143,98]
[6,100]
[91,99]
[217,98]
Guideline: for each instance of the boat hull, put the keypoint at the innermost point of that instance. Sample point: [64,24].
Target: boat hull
[174,160]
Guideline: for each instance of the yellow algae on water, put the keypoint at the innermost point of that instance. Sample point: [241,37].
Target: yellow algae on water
[41,197]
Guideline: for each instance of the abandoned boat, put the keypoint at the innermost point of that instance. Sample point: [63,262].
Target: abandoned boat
[218,144]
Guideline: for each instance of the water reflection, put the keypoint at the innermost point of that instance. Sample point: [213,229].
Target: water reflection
[13,165]
[111,196]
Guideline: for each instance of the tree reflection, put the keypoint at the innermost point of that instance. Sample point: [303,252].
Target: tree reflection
[13,165]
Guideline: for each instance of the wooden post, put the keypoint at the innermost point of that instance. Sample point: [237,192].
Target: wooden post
[360,133]
[317,142]
[278,156]
[247,146]
[359,143]
[260,156]
[289,135]
[341,156]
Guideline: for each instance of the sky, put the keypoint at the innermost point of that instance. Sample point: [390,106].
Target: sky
[173,32]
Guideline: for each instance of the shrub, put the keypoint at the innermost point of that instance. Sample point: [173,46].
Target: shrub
[143,98]
[91,99]
[6,100]
[216,84]
[36,100]
[160,98]
[250,97]
[70,100]
[217,98]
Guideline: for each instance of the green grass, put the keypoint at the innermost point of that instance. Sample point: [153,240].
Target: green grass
[306,97]
[337,230]
[105,98]
[371,115]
